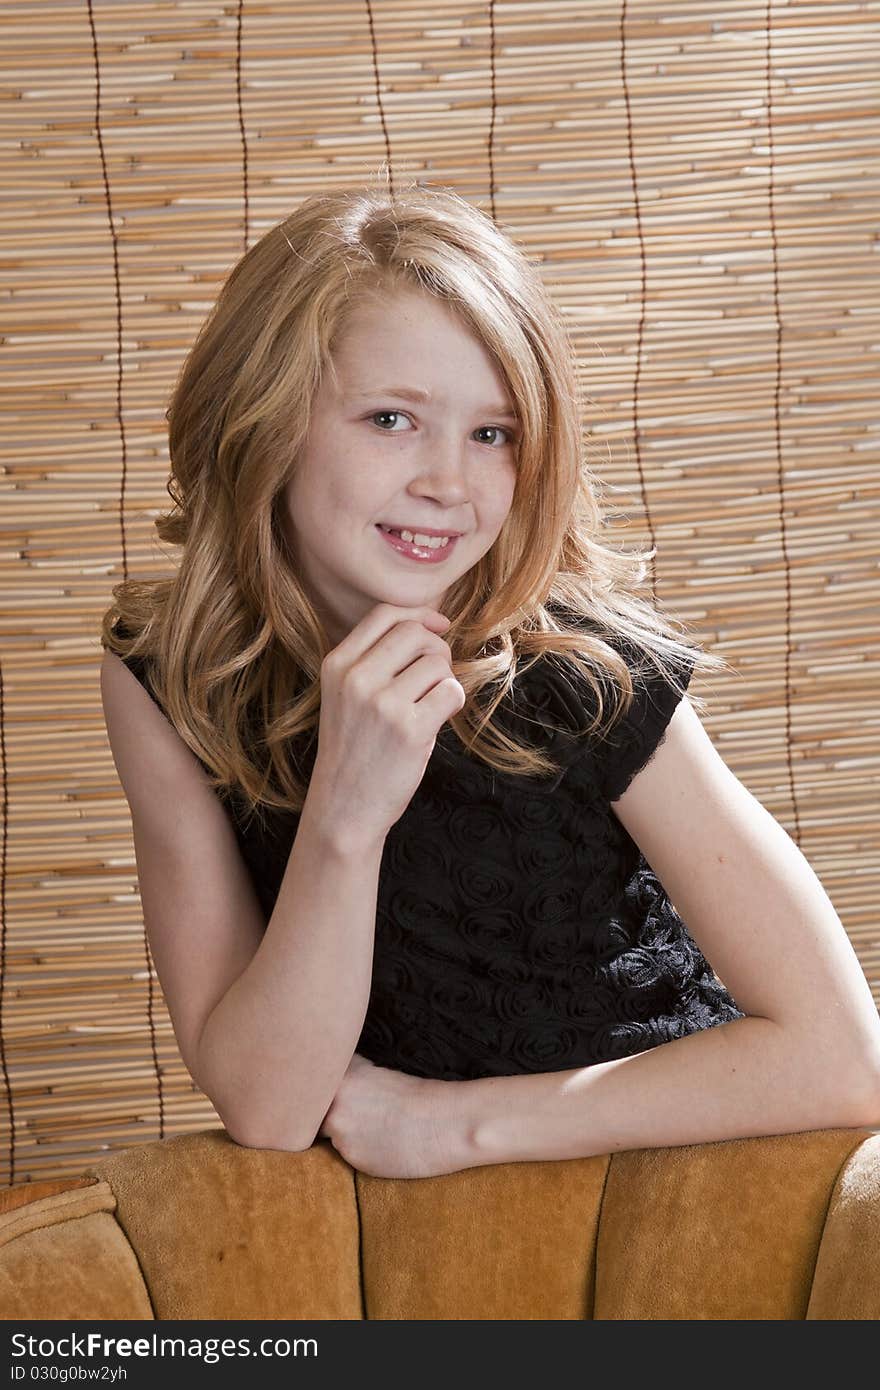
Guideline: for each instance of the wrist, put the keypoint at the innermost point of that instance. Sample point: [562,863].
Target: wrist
[464,1114]
[334,832]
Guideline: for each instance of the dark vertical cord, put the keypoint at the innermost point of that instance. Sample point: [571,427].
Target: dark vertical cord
[491,147]
[643,296]
[241,129]
[379,98]
[10,1101]
[777,388]
[151,1002]
[114,246]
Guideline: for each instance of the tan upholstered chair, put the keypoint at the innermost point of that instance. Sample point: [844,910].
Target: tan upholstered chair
[198,1227]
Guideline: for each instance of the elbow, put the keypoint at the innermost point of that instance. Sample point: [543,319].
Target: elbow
[841,1080]
[288,1144]
[870,1113]
[248,1132]
[247,1138]
[865,1103]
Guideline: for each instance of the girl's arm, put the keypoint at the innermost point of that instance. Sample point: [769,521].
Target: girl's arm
[266,1016]
[806,1057]
[303,997]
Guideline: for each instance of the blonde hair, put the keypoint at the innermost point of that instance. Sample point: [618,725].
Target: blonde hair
[232,642]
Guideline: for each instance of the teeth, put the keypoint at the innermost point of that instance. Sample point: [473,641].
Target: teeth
[427,542]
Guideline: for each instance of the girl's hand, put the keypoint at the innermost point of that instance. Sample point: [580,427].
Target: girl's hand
[386,691]
[389,1124]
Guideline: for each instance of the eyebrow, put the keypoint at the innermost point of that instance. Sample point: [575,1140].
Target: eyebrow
[415,393]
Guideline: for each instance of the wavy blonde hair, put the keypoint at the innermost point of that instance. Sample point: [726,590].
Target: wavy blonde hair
[232,643]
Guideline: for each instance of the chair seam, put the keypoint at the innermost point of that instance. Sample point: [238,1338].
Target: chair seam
[600,1210]
[833,1190]
[20,1221]
[360,1229]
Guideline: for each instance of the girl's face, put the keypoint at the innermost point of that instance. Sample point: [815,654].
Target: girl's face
[373,454]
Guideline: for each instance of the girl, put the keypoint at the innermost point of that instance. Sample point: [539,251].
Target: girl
[434,851]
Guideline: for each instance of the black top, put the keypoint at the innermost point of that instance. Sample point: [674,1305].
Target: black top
[518,927]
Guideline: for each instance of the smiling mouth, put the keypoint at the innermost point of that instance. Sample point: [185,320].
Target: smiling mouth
[411,532]
[424,541]
[431,554]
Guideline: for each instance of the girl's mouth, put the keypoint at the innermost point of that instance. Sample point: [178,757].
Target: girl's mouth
[426,555]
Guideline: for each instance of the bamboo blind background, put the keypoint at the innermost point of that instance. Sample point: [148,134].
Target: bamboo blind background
[700,184]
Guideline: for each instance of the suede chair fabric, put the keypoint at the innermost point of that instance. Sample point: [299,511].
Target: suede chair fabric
[725,1230]
[846,1282]
[782,1227]
[63,1255]
[223,1231]
[512,1241]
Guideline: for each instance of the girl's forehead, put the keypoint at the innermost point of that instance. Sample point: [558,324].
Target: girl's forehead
[409,339]
[415,345]
[409,307]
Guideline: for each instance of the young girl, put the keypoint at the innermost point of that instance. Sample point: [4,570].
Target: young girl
[434,851]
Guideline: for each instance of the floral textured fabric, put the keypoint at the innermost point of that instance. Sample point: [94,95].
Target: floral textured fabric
[519,928]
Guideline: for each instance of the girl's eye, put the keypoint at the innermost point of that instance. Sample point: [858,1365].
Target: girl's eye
[499,429]
[399,414]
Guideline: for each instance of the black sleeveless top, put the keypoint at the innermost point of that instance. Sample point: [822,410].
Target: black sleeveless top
[518,927]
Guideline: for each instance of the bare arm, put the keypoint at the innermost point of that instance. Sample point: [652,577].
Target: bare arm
[276,1046]
[268,1015]
[806,1057]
